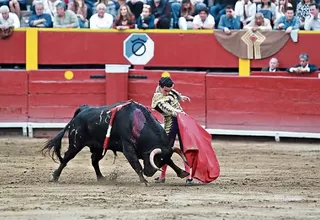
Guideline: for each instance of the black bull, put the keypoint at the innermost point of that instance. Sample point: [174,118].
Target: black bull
[135,133]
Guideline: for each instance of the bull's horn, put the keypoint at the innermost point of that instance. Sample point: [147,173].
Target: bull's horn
[151,158]
[178,151]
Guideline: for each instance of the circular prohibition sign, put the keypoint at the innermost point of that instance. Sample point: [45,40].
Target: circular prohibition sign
[139,48]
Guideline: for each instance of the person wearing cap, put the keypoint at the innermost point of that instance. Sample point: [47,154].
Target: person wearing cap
[65,18]
[304,66]
[8,19]
[166,101]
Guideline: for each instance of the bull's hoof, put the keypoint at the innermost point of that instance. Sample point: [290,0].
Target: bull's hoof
[53,179]
[101,178]
[143,181]
[183,174]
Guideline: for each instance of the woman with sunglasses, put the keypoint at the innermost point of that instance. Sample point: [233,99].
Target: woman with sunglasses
[166,101]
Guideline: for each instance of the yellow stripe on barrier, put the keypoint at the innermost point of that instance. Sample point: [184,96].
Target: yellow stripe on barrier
[31,49]
[244,67]
[156,31]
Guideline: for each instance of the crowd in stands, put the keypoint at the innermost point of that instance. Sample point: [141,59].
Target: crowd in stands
[226,15]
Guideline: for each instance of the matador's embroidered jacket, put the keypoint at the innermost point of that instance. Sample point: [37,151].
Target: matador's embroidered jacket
[167,105]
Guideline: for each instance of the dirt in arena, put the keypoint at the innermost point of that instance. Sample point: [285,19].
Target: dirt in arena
[259,180]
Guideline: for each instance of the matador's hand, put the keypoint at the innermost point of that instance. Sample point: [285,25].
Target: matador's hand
[185,98]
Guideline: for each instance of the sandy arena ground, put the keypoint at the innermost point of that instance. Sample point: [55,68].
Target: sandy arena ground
[259,180]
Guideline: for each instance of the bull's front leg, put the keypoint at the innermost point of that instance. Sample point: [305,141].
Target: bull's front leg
[131,155]
[180,173]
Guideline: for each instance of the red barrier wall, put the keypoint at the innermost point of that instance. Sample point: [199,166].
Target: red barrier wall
[191,84]
[92,48]
[13,49]
[263,103]
[13,96]
[116,88]
[180,46]
[52,98]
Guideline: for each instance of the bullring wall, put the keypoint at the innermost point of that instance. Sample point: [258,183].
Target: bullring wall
[218,101]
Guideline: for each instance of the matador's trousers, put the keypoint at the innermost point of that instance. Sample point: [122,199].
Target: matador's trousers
[172,130]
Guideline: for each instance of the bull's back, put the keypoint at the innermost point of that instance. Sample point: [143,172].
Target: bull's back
[136,123]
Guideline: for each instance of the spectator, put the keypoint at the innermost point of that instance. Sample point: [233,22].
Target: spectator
[125,19]
[65,18]
[135,7]
[80,9]
[146,19]
[313,21]
[245,10]
[17,5]
[219,8]
[101,19]
[273,66]
[162,12]
[8,19]
[288,22]
[303,11]
[177,7]
[259,23]
[50,6]
[110,7]
[40,19]
[281,8]
[186,15]
[89,4]
[229,21]
[304,66]
[203,20]
[268,9]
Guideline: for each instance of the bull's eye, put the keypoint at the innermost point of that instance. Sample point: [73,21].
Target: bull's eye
[161,159]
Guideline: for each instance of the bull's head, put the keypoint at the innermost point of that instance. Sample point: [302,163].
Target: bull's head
[159,157]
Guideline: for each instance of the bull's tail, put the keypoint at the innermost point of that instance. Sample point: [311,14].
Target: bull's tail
[53,146]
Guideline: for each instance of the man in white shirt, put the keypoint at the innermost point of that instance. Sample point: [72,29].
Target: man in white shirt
[245,10]
[8,19]
[304,66]
[203,20]
[313,21]
[101,20]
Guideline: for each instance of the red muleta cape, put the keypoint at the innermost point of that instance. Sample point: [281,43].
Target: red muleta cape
[198,149]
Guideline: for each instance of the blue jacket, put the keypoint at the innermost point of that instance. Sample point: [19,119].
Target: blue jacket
[47,17]
[295,23]
[149,21]
[232,24]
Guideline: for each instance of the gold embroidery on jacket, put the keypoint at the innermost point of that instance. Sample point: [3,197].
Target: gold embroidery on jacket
[168,104]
